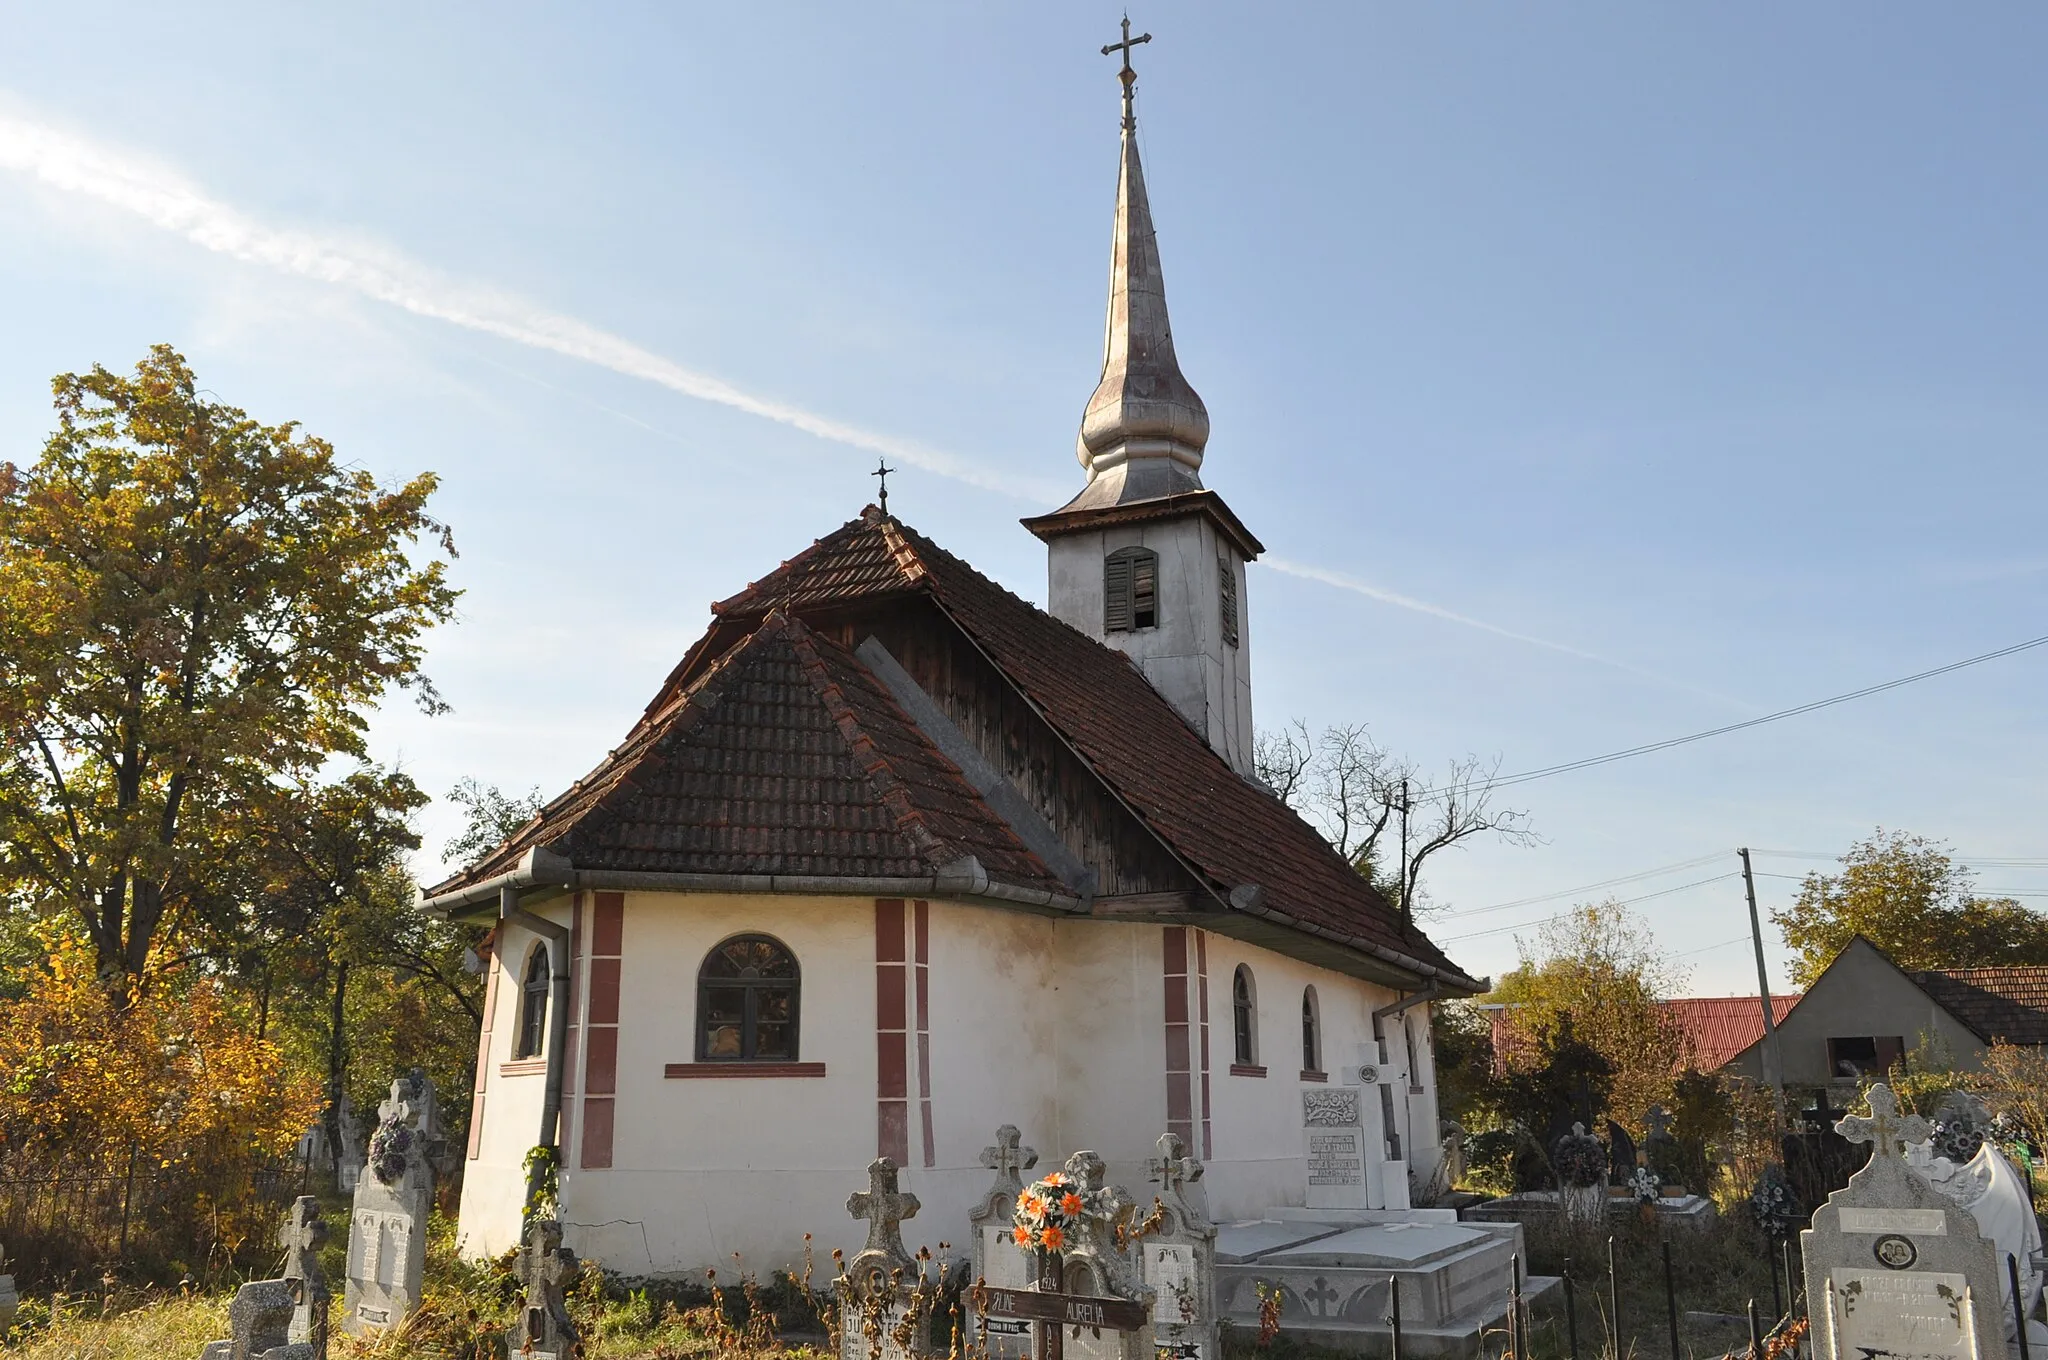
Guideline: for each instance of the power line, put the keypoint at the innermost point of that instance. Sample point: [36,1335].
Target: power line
[1589,762]
[1559,916]
[1709,948]
[1587,887]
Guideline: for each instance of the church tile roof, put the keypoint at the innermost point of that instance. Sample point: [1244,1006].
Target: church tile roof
[785,758]
[1230,830]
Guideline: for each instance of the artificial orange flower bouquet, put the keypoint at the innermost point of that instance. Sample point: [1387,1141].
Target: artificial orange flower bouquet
[1048,1211]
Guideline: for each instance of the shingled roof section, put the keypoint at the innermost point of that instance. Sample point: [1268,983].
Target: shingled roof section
[2007,1004]
[1231,830]
[786,758]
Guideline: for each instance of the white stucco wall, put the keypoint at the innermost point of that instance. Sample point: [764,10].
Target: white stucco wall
[494,1182]
[1054,1024]
[1185,657]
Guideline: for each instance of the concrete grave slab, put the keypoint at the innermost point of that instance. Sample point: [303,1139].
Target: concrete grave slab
[1252,1238]
[1385,1246]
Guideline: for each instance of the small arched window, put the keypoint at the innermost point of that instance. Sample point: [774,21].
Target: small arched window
[746,1002]
[1244,1017]
[533,1005]
[1130,590]
[1311,1032]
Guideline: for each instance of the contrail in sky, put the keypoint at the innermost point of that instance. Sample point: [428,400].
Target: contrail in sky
[1400,601]
[169,201]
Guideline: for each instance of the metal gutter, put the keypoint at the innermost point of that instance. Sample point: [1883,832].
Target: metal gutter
[1246,898]
[964,877]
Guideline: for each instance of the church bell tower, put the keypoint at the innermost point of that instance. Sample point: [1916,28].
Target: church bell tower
[1145,558]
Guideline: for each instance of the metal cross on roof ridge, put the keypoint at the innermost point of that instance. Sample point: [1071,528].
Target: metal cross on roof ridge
[1128,76]
[1883,1128]
[882,470]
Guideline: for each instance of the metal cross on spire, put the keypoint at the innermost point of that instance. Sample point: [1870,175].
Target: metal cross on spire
[1127,75]
[882,471]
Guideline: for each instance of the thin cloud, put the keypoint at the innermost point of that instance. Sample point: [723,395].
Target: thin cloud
[170,202]
[1372,592]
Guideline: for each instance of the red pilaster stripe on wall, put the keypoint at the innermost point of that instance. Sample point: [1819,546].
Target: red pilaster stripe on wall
[565,1119]
[892,1032]
[921,948]
[1202,993]
[1179,1087]
[487,948]
[601,1030]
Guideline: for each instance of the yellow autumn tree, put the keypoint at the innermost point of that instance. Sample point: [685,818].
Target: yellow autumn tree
[167,1074]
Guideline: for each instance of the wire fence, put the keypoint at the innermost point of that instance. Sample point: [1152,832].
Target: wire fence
[136,1217]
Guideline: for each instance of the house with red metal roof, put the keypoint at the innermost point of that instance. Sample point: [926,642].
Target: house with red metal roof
[894,857]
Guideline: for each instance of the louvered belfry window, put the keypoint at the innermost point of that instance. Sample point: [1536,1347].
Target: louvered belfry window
[1130,590]
[1227,598]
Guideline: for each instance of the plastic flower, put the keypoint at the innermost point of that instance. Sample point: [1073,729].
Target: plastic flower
[1022,1236]
[1070,1204]
[1053,1238]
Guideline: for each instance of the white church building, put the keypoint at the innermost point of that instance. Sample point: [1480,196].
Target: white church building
[895,857]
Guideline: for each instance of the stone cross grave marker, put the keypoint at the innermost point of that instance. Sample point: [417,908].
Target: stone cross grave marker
[998,1262]
[1333,1136]
[1178,1260]
[302,1236]
[388,1228]
[876,1289]
[543,1329]
[1083,1303]
[1893,1267]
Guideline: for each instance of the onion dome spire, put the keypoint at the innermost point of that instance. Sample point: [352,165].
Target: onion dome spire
[1144,424]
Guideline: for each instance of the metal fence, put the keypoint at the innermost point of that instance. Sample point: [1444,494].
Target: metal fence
[139,1217]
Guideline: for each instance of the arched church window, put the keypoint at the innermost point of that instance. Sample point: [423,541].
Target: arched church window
[1130,590]
[747,1001]
[1244,1017]
[1311,1032]
[533,1005]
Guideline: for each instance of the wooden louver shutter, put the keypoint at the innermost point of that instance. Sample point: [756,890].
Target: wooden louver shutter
[1227,599]
[1116,593]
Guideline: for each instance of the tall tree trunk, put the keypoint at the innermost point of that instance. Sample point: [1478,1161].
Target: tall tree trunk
[337,1060]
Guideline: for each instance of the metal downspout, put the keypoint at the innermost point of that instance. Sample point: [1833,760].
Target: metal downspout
[558,1021]
[1379,1039]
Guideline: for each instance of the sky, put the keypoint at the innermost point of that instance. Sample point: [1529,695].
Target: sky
[1594,374]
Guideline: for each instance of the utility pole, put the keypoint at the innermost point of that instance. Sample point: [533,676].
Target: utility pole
[1774,1072]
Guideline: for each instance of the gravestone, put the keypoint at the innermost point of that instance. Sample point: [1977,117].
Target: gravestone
[1621,1154]
[302,1236]
[1099,1265]
[10,1299]
[259,1323]
[1992,1191]
[1817,1159]
[1178,1262]
[348,1157]
[388,1228]
[543,1329]
[1333,1138]
[875,1294]
[1893,1267]
[998,1262]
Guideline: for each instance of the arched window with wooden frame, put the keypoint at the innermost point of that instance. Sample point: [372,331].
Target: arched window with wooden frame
[1130,590]
[533,1005]
[747,1002]
[1244,1018]
[1311,1032]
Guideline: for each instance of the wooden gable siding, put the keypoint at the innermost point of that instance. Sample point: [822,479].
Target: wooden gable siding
[1126,857]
